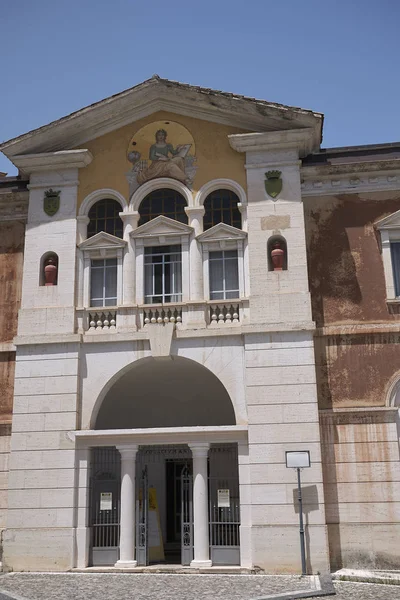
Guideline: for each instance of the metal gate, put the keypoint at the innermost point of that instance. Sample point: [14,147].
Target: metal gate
[186,515]
[104,515]
[142,511]
[224,505]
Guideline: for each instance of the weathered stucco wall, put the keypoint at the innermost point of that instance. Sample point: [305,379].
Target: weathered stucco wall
[344,260]
[11,257]
[348,288]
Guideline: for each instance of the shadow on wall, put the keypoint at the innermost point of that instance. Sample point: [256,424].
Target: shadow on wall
[165,392]
[310,503]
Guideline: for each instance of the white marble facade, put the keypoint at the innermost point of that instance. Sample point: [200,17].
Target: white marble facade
[264,358]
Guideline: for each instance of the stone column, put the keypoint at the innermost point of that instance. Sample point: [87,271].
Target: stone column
[127,536]
[200,506]
[195,218]
[130,220]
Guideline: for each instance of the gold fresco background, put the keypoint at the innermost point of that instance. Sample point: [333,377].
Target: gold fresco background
[215,158]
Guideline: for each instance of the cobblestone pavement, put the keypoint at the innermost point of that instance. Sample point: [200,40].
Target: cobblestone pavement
[129,586]
[132,586]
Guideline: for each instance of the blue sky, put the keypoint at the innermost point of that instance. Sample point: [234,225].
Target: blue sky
[339,57]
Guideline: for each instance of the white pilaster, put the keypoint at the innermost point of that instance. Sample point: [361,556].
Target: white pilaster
[195,216]
[82,532]
[130,220]
[127,536]
[245,506]
[200,506]
[82,223]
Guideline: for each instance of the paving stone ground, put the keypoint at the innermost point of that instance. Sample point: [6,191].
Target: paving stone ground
[132,586]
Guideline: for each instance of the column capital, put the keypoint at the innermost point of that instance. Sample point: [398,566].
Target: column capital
[199,449]
[128,451]
[195,211]
[83,219]
[132,217]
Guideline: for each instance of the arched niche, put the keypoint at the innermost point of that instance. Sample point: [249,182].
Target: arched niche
[277,261]
[152,392]
[48,277]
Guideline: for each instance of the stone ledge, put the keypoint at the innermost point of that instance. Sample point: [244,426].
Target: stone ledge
[347,416]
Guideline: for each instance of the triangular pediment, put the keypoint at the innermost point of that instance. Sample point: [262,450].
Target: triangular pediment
[102,240]
[162,227]
[390,222]
[221,232]
[157,94]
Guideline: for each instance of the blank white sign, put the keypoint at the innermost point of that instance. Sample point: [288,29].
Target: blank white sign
[298,459]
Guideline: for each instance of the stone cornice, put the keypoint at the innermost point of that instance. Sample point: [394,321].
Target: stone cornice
[350,178]
[304,141]
[358,329]
[50,161]
[364,414]
[155,95]
[14,206]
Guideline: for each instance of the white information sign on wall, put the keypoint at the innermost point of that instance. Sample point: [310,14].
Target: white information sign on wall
[106,501]
[223,498]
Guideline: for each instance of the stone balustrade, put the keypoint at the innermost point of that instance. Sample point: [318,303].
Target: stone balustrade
[224,312]
[106,319]
[133,318]
[162,314]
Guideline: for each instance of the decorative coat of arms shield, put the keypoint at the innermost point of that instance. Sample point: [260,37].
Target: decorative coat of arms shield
[273,183]
[51,202]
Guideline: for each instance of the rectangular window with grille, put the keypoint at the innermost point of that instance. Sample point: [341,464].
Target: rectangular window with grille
[103,282]
[224,275]
[163,274]
[395,251]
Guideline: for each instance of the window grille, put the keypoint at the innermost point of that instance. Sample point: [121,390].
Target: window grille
[163,202]
[103,282]
[104,216]
[163,274]
[224,275]
[221,207]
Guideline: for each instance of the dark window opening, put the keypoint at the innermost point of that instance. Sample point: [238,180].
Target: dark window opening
[221,207]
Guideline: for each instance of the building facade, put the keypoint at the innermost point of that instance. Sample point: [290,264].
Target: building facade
[191,288]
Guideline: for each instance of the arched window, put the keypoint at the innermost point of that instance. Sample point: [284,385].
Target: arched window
[167,202]
[221,207]
[104,216]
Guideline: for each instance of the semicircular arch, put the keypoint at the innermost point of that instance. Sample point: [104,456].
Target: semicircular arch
[157,184]
[220,184]
[102,194]
[151,393]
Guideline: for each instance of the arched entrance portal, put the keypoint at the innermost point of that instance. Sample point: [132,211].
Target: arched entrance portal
[166,468]
[165,392]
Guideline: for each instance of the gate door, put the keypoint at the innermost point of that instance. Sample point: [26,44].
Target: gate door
[224,505]
[104,519]
[142,508]
[186,516]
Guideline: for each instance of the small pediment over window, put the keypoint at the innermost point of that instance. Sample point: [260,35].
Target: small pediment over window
[222,232]
[102,240]
[390,222]
[161,227]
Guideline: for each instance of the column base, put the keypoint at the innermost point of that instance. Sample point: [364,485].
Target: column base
[201,564]
[125,564]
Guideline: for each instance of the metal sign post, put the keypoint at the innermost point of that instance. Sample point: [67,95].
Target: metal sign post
[299,460]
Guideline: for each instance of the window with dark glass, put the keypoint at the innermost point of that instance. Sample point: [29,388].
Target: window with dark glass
[163,274]
[221,207]
[104,216]
[163,202]
[224,275]
[103,282]
[395,251]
